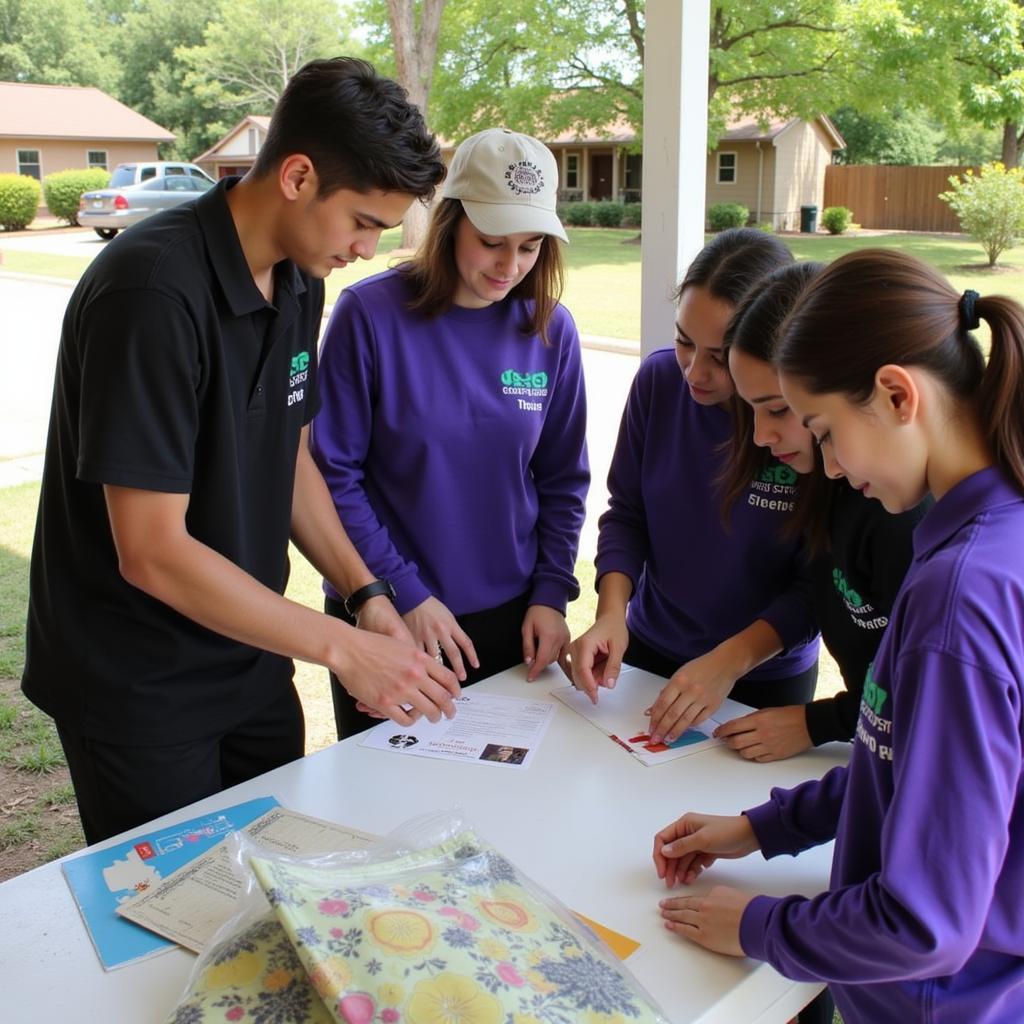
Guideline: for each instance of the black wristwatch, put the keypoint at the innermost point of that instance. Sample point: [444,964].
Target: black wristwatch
[378,588]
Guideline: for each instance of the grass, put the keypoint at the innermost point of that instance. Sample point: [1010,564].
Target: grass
[44,264]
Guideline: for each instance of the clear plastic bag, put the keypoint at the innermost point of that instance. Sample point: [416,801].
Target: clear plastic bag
[433,926]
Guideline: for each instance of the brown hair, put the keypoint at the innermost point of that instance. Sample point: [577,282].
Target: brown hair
[881,306]
[433,275]
[732,262]
[753,331]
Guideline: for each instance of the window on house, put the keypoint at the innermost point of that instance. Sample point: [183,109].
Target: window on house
[634,171]
[254,141]
[96,158]
[572,170]
[726,168]
[29,163]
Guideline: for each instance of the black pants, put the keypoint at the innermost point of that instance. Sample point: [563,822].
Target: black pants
[496,634]
[119,787]
[765,693]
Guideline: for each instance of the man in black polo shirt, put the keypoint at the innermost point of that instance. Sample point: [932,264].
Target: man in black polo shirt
[177,469]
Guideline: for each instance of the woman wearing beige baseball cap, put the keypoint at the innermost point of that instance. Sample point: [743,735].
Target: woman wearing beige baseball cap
[452,431]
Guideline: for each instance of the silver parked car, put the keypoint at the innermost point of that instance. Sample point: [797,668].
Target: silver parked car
[109,210]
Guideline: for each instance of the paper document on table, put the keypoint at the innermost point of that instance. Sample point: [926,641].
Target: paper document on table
[486,729]
[103,880]
[189,905]
[619,713]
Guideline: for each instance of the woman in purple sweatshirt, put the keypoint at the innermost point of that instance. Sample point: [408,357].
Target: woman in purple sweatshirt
[452,430]
[716,606]
[923,919]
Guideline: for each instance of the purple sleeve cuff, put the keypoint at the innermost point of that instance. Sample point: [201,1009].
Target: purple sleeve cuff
[550,594]
[792,620]
[409,592]
[754,926]
[618,561]
[771,832]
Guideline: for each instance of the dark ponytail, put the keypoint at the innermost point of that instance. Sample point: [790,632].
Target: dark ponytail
[881,306]
[752,331]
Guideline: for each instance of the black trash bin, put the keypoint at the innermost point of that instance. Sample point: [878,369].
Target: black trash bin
[808,219]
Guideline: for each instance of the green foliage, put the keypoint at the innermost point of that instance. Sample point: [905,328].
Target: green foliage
[990,206]
[632,215]
[62,190]
[580,215]
[722,216]
[608,215]
[836,219]
[46,757]
[896,136]
[19,201]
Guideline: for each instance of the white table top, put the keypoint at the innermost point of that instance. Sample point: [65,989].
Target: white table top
[580,821]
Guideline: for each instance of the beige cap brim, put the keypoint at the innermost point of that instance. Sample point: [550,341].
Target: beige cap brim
[513,219]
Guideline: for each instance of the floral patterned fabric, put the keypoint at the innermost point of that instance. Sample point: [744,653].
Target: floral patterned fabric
[254,977]
[448,935]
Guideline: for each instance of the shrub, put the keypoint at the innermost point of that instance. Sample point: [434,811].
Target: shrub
[631,215]
[836,219]
[19,201]
[608,215]
[63,189]
[990,205]
[722,216]
[580,215]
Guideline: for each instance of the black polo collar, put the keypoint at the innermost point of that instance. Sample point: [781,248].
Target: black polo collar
[228,260]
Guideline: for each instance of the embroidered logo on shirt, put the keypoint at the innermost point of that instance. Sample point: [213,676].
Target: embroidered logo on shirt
[775,489]
[524,178]
[859,609]
[298,374]
[874,731]
[527,385]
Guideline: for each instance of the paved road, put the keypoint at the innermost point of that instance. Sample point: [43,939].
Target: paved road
[31,311]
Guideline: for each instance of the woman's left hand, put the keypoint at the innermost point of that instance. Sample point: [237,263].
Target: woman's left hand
[768,735]
[545,639]
[711,920]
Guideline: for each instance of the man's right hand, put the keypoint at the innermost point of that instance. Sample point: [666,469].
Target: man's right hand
[390,676]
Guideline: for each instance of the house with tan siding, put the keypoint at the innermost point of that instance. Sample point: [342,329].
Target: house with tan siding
[235,152]
[47,128]
[773,169]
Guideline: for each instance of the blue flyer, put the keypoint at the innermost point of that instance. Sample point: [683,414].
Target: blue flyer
[100,881]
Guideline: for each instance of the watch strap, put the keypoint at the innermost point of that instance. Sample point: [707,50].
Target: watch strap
[378,588]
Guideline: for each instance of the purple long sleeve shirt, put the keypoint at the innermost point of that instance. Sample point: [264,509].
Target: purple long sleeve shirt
[696,581]
[924,918]
[454,447]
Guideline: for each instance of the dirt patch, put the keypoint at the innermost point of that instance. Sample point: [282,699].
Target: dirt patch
[984,268]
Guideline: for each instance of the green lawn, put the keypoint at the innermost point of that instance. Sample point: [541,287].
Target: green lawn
[603,285]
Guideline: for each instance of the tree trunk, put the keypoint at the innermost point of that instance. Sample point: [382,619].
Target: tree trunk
[415,53]
[1009,144]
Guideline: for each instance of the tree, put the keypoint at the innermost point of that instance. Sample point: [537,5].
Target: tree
[253,48]
[58,42]
[414,32]
[990,206]
[152,77]
[896,137]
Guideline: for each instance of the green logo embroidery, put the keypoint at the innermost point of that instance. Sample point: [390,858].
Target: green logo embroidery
[778,473]
[874,695]
[299,363]
[511,379]
[846,591]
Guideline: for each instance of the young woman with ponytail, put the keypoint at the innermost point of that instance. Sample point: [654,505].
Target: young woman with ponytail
[860,553]
[923,918]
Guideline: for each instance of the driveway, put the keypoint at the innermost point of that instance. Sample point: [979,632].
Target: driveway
[30,322]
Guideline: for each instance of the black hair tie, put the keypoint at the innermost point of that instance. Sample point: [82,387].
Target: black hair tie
[968,311]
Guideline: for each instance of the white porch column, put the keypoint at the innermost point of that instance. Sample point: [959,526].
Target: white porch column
[615,173]
[675,156]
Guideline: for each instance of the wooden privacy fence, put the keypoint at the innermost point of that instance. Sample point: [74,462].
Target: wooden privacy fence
[891,196]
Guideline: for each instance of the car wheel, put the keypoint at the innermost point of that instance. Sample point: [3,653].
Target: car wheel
[106,233]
